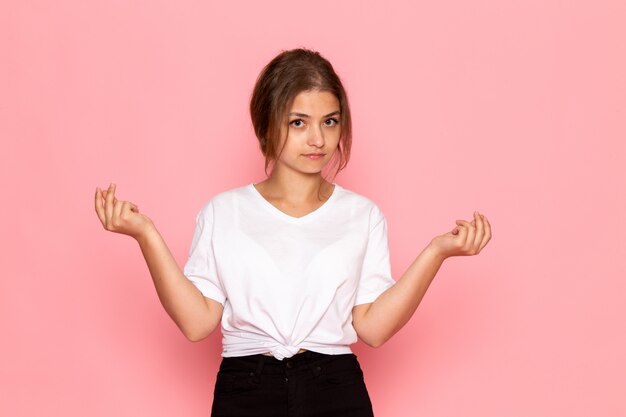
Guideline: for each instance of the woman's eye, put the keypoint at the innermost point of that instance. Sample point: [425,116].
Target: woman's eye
[297,123]
[331,122]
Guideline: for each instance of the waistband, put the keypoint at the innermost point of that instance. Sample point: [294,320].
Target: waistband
[305,361]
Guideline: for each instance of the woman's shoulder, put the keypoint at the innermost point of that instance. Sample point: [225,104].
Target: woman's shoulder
[225,197]
[360,201]
[355,197]
[228,195]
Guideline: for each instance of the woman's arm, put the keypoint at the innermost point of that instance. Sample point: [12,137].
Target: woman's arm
[195,315]
[376,322]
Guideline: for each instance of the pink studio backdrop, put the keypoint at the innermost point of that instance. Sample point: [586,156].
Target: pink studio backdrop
[513,108]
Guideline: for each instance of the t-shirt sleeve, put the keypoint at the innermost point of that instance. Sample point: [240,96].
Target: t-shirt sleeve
[376,270]
[200,268]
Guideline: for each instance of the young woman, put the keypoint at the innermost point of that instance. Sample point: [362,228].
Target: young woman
[294,267]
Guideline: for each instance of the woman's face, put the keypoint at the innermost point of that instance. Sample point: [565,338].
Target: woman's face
[313,131]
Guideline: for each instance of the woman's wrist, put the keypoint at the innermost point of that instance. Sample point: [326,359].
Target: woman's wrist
[435,252]
[148,232]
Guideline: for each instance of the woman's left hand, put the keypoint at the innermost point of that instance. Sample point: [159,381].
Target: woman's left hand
[467,238]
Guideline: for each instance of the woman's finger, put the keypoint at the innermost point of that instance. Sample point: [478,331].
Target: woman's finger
[100,207]
[480,231]
[469,237]
[114,198]
[487,236]
[108,205]
[127,208]
[117,212]
[469,244]
[462,235]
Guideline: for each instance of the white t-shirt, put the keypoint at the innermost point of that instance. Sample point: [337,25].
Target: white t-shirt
[289,283]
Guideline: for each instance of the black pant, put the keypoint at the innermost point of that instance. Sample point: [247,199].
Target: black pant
[307,384]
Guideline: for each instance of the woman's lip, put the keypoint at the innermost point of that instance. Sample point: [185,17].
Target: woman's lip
[314,155]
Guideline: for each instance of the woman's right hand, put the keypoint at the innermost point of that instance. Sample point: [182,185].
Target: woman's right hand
[120,216]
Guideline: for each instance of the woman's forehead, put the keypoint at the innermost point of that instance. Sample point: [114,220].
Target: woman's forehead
[315,101]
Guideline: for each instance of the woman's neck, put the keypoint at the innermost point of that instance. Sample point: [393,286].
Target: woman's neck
[296,190]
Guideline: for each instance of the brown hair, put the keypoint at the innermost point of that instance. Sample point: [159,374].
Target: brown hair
[288,74]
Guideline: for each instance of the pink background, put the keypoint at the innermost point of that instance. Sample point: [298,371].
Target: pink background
[516,109]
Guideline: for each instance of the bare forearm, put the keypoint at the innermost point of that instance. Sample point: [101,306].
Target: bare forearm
[393,308]
[182,301]
[375,323]
[195,315]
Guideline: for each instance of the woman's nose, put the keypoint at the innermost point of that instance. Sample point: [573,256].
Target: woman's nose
[316,137]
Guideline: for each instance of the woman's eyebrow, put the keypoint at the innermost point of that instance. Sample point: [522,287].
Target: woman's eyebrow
[306,115]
